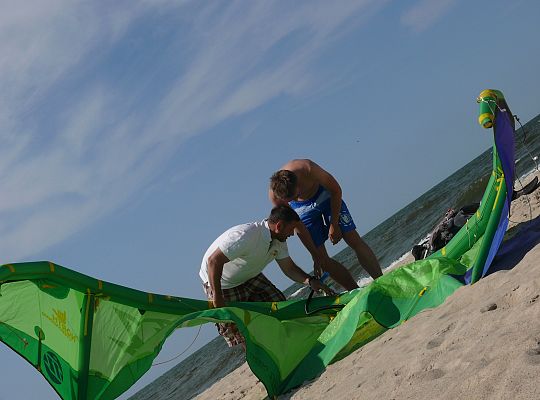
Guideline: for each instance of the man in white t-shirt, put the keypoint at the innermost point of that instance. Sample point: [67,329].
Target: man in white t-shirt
[232,266]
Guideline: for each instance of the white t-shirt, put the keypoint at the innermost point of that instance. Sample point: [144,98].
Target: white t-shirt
[249,247]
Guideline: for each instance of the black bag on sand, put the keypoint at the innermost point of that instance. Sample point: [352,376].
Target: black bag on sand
[444,231]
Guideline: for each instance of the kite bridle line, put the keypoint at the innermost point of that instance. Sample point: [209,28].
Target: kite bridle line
[186,349]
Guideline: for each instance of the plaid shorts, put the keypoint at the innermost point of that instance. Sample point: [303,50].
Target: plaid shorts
[255,289]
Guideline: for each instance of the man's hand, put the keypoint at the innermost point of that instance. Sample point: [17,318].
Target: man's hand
[318,266]
[317,286]
[335,233]
[218,301]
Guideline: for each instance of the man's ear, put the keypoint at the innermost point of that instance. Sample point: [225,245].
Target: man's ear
[279,226]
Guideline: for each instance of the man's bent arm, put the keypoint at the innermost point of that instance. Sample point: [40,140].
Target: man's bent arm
[293,271]
[307,241]
[331,184]
[216,261]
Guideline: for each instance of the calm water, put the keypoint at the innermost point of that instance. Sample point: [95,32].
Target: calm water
[389,240]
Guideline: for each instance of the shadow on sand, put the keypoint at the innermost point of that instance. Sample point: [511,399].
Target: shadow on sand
[520,240]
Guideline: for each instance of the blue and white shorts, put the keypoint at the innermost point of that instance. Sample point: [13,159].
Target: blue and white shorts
[316,212]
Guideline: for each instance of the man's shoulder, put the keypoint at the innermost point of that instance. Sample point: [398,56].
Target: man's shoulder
[240,229]
[247,230]
[242,238]
[301,167]
[297,163]
[236,237]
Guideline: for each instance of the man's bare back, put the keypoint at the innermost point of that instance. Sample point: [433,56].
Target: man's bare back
[309,177]
[307,183]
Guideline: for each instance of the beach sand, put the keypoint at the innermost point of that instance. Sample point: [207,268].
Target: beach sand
[482,343]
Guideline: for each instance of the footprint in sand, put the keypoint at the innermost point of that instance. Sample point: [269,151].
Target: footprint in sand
[430,374]
[434,343]
[434,374]
[439,337]
[533,355]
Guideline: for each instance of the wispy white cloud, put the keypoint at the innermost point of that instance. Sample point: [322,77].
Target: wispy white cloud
[425,13]
[78,140]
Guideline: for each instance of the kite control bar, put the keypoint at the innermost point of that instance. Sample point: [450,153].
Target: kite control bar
[323,278]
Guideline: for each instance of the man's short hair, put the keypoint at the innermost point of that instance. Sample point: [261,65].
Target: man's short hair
[283,184]
[283,213]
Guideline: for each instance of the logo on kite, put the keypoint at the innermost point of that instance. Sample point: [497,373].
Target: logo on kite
[53,367]
[60,320]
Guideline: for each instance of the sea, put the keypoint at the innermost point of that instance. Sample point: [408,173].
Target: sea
[391,241]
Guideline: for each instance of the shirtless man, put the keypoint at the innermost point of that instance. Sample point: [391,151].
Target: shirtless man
[316,196]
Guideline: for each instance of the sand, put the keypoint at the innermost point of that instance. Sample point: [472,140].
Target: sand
[482,343]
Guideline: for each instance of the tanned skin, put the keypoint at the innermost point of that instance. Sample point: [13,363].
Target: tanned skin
[309,177]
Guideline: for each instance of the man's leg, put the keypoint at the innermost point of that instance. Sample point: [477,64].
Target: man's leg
[228,330]
[365,255]
[337,271]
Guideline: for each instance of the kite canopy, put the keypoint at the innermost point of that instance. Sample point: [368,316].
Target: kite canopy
[92,339]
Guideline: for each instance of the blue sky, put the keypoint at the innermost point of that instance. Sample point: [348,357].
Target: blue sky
[134,132]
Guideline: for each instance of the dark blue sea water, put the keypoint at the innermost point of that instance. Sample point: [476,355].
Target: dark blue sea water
[390,241]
